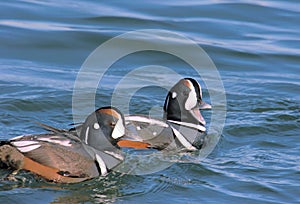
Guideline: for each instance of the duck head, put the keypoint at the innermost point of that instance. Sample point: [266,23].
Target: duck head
[104,129]
[184,101]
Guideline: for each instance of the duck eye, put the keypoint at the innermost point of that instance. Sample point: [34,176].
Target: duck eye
[96,126]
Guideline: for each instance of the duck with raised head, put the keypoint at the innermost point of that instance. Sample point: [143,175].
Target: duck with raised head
[182,126]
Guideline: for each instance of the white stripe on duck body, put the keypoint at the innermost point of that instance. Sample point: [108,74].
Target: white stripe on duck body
[182,126]
[60,156]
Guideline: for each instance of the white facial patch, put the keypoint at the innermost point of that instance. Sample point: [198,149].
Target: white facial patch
[174,95]
[191,101]
[119,129]
[96,126]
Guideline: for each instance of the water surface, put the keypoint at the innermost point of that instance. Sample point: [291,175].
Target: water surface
[255,46]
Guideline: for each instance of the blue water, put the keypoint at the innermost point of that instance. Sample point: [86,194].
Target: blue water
[255,47]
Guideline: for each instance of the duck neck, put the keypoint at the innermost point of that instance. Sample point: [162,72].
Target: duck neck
[182,118]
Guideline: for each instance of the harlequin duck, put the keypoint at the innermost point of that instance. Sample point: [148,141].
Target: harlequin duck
[182,126]
[62,157]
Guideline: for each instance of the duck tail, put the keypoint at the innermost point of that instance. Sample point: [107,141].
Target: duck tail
[3,154]
[10,157]
[3,142]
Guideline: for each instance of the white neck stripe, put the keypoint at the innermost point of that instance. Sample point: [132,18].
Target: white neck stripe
[198,127]
[101,165]
[86,135]
[183,140]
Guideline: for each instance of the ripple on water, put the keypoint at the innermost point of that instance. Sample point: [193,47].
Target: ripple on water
[255,46]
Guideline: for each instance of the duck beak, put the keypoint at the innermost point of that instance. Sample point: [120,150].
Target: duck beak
[196,113]
[203,105]
[133,144]
[132,141]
